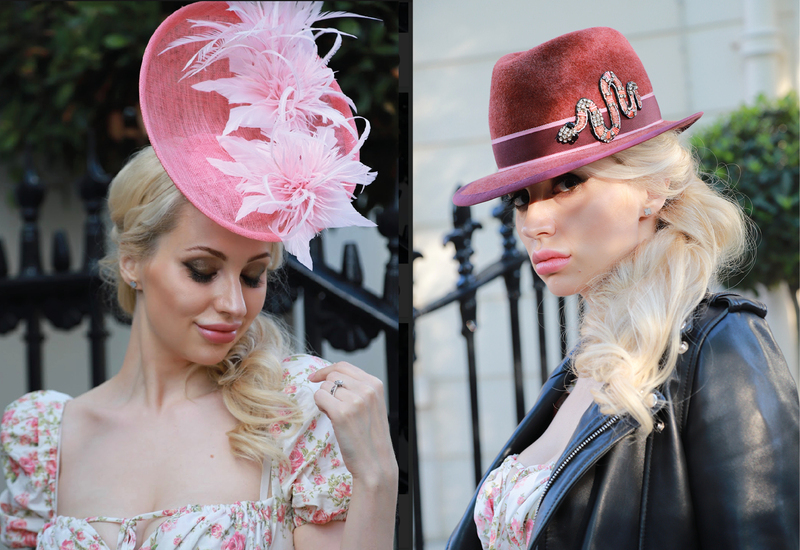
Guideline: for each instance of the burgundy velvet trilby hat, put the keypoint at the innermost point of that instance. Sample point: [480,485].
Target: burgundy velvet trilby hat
[564,104]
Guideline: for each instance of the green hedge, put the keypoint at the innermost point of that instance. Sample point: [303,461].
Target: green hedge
[755,149]
[68,67]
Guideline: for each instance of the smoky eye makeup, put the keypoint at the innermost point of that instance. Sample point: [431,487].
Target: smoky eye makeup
[254,277]
[519,199]
[200,271]
[566,182]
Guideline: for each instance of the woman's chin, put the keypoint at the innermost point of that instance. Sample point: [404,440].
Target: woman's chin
[561,288]
[212,356]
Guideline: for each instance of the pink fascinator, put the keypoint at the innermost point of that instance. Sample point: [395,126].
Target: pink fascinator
[249,122]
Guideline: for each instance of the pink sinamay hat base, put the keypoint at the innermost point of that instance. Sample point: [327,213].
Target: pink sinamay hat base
[185,125]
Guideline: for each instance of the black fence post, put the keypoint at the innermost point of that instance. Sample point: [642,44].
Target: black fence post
[461,237]
[388,226]
[416,489]
[8,318]
[562,322]
[93,189]
[504,213]
[311,302]
[29,195]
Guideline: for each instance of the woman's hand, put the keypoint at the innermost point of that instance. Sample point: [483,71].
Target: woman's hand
[358,413]
[357,410]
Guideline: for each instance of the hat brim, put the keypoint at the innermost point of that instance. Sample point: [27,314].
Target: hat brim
[534,171]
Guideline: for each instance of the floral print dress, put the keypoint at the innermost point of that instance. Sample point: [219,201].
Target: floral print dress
[313,488]
[506,503]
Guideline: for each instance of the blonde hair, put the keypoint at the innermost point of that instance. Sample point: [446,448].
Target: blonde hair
[630,335]
[144,204]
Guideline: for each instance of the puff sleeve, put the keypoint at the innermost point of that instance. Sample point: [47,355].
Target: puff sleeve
[29,439]
[316,481]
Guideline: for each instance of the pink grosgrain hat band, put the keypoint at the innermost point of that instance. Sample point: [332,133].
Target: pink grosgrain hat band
[564,104]
[249,123]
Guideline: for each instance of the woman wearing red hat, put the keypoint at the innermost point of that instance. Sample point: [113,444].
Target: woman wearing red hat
[674,422]
[213,435]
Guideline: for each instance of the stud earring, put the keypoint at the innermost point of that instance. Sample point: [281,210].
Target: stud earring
[133,285]
[647,211]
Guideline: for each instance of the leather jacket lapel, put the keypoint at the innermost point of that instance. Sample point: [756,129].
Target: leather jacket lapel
[595,435]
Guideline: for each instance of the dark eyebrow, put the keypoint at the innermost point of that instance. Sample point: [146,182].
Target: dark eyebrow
[223,257]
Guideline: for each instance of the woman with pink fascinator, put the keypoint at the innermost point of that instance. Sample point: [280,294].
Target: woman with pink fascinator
[213,435]
[674,421]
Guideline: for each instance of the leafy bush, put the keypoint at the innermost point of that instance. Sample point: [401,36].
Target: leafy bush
[756,149]
[65,67]
[71,67]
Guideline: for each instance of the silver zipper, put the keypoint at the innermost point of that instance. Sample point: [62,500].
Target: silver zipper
[608,423]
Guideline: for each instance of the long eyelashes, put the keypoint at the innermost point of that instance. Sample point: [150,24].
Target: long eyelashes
[519,199]
[567,182]
[199,277]
[202,277]
[561,184]
[252,282]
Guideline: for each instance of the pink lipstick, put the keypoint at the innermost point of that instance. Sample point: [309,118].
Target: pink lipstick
[219,333]
[548,261]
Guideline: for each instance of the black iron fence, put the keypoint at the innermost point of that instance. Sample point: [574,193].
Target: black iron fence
[508,267]
[337,307]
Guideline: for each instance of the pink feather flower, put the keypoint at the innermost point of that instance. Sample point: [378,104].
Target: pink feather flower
[299,181]
[263,26]
[298,176]
[271,89]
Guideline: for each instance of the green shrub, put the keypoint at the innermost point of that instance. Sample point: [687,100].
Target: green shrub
[755,148]
[65,67]
[71,67]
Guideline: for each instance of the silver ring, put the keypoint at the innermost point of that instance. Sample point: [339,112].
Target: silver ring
[336,385]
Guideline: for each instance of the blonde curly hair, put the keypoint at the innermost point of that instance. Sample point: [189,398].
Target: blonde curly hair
[630,332]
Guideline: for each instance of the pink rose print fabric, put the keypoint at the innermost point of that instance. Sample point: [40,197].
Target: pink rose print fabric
[313,488]
[506,503]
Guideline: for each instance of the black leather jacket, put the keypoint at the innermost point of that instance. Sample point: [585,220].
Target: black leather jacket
[721,473]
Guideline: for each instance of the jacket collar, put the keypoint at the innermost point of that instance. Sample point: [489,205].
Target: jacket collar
[595,435]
